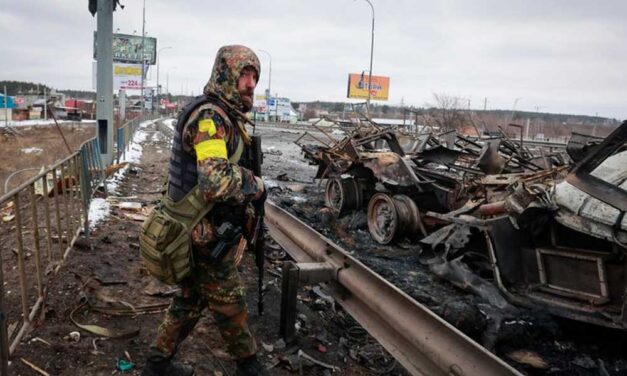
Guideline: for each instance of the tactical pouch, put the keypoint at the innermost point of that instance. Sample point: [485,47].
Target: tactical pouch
[165,241]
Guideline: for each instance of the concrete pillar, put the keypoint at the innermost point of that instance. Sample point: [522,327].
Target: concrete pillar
[104,79]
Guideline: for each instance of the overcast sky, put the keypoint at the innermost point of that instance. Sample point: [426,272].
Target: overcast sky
[562,56]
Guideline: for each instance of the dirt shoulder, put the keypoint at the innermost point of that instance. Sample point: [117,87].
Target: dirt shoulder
[104,271]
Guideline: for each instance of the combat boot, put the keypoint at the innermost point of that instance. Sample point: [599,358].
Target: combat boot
[158,365]
[251,367]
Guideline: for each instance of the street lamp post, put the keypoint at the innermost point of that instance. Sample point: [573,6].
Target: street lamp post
[158,88]
[167,80]
[269,85]
[371,54]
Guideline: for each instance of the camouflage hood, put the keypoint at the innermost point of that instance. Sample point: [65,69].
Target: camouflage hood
[230,61]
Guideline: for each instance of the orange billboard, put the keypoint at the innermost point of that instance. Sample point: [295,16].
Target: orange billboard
[358,87]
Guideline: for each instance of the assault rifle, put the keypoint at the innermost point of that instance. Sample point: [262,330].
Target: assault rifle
[258,241]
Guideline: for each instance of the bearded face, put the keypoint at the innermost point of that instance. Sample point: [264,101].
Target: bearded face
[246,87]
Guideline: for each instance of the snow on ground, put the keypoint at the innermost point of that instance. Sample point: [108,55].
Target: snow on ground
[31,150]
[98,211]
[170,123]
[30,123]
[99,208]
[156,137]
[132,155]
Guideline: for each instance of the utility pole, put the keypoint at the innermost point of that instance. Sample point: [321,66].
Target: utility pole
[371,54]
[104,53]
[45,105]
[269,85]
[6,109]
[167,81]
[158,87]
[143,57]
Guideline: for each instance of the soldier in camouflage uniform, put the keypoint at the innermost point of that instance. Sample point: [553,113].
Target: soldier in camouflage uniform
[206,141]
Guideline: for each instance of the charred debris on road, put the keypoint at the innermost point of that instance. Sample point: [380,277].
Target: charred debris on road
[519,224]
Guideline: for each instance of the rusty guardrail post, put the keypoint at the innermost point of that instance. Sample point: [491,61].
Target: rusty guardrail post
[293,275]
[4,340]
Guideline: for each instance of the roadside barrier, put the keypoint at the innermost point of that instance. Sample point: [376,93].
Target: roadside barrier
[125,135]
[39,222]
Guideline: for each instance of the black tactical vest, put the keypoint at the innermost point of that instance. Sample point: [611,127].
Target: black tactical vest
[183,174]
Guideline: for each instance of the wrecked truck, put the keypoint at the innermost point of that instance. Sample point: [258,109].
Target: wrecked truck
[399,175]
[545,232]
[556,244]
[371,167]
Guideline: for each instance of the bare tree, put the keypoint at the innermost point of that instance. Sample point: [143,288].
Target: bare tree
[448,112]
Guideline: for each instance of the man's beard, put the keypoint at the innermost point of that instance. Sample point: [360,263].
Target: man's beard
[246,105]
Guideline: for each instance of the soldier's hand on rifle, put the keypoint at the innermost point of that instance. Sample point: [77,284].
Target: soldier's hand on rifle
[261,189]
[260,197]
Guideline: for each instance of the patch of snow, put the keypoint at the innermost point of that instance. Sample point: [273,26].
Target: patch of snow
[132,155]
[338,132]
[30,123]
[170,123]
[98,211]
[31,150]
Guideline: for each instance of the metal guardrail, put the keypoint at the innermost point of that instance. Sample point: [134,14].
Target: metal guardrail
[421,341]
[41,220]
[124,135]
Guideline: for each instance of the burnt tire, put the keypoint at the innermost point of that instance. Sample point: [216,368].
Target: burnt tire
[389,217]
[343,195]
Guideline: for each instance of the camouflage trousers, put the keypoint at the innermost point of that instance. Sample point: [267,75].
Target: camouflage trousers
[220,289]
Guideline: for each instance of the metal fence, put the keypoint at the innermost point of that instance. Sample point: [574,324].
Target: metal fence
[124,136]
[41,220]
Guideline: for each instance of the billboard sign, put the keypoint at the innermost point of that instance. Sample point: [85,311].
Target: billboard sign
[127,76]
[128,49]
[358,87]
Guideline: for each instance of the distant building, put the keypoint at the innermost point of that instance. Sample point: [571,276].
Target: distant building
[10,101]
[7,104]
[274,109]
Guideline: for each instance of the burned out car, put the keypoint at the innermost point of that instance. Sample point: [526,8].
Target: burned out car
[560,244]
[537,229]
[576,267]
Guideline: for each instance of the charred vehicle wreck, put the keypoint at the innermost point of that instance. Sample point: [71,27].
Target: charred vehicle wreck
[510,223]
[562,246]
